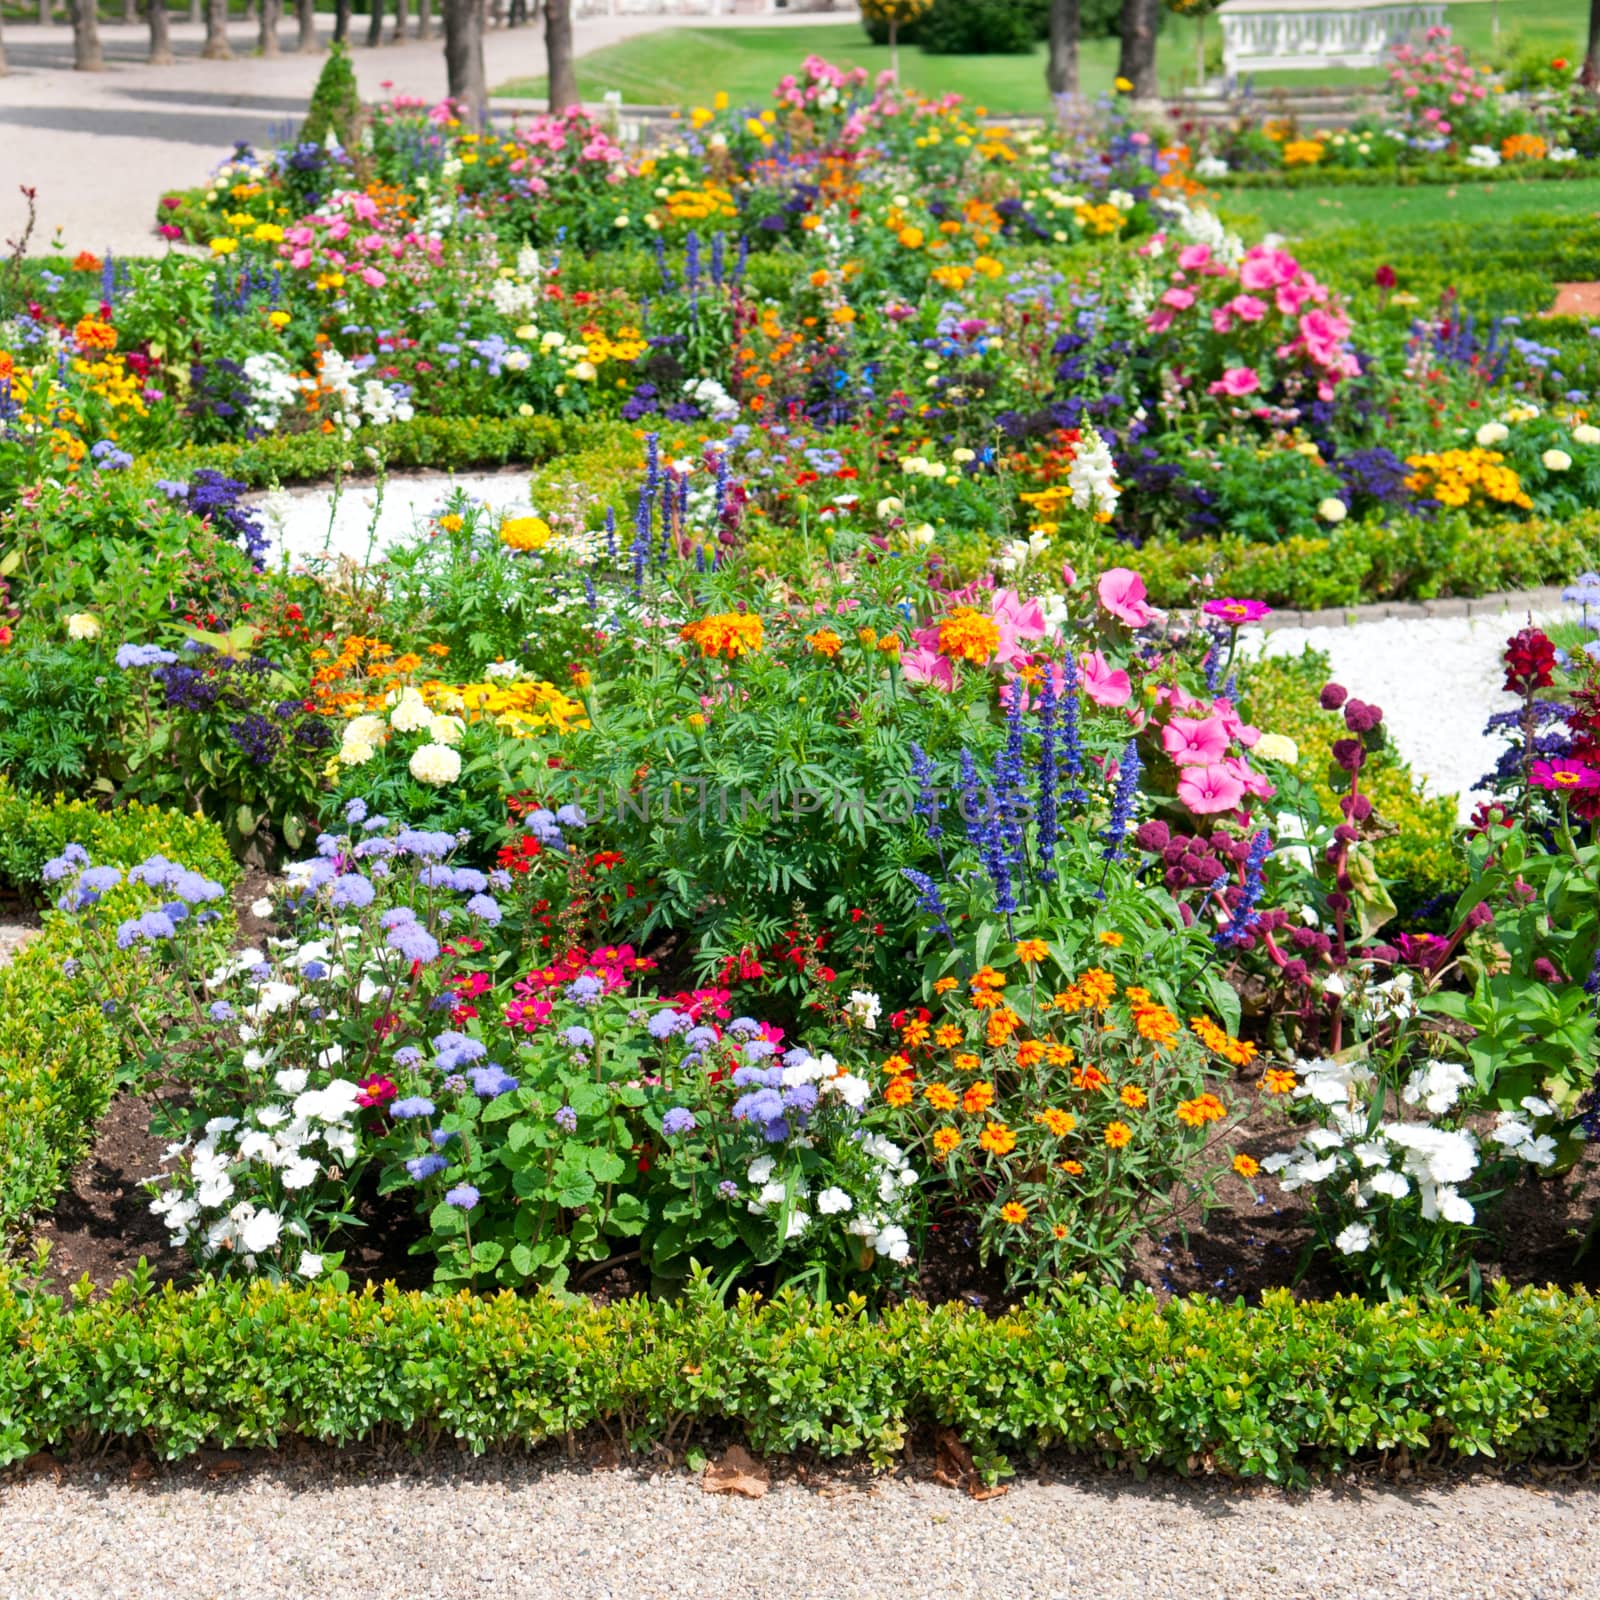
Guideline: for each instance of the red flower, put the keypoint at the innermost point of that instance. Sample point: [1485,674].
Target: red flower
[376,1092]
[1530,661]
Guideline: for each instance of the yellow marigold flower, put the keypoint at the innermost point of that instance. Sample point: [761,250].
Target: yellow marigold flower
[224,246]
[1278,1080]
[1202,1109]
[998,1139]
[968,635]
[966,1061]
[1060,1123]
[696,720]
[525,533]
[944,1141]
[843,315]
[1246,1166]
[1134,1097]
[1014,1212]
[1031,951]
[941,1097]
[728,633]
[1118,1135]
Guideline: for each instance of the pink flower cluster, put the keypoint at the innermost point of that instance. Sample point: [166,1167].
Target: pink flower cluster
[351,234]
[1434,84]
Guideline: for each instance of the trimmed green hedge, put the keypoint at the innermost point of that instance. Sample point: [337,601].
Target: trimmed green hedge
[1406,177]
[59,1057]
[1276,1391]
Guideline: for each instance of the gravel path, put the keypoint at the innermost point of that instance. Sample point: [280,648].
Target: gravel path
[13,935]
[526,1529]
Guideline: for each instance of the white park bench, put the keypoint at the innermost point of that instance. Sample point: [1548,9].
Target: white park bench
[1289,35]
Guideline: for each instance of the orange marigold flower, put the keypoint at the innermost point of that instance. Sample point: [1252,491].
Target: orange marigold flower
[1060,1123]
[1030,1053]
[1277,1080]
[1134,1097]
[941,1097]
[1014,1212]
[985,1000]
[1031,951]
[944,985]
[968,635]
[889,644]
[1246,1166]
[1111,939]
[898,1092]
[1118,1135]
[947,1035]
[1069,1000]
[998,1139]
[988,978]
[1097,987]
[978,1098]
[965,1061]
[728,633]
[1156,1024]
[1136,996]
[915,1032]
[895,1065]
[825,642]
[1202,1109]
[944,1141]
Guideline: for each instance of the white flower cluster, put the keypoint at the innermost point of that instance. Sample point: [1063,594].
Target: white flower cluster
[357,400]
[273,388]
[1015,554]
[1393,1160]
[1482,155]
[243,1174]
[712,398]
[870,1215]
[1092,476]
[435,762]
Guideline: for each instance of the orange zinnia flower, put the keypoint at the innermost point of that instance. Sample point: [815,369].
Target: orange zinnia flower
[1073,1169]
[1014,1212]
[1030,951]
[978,1098]
[947,1035]
[944,985]
[944,1141]
[965,1061]
[1030,1053]
[998,1139]
[941,1097]
[1277,1080]
[1134,1097]
[1246,1166]
[1060,1123]
[1118,1135]
[1089,1078]
[1202,1109]
[898,1092]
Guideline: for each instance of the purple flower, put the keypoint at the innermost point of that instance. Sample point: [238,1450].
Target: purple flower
[678,1120]
[490,1080]
[455,1050]
[567,1119]
[407,1056]
[485,909]
[352,890]
[666,1023]
[428,1166]
[441,1137]
[578,1038]
[396,915]
[585,989]
[468,880]
[414,943]
[728,1189]
[463,1196]
[220,1011]
[415,1105]
[355,811]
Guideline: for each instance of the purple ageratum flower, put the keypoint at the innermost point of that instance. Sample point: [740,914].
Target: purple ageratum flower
[490,1081]
[500,880]
[408,1056]
[414,1105]
[151,926]
[455,1050]
[372,824]
[441,1137]
[195,888]
[567,1119]
[678,1120]
[759,1050]
[437,877]
[395,916]
[414,943]
[470,881]
[428,846]
[130,656]
[355,811]
[701,1038]
[578,1038]
[572,817]
[485,909]
[156,871]
[585,989]
[464,1197]
[728,1189]
[352,891]
[666,1023]
[744,1028]
[761,1105]
[59,866]
[220,1011]
[314,971]
[428,1166]
[91,885]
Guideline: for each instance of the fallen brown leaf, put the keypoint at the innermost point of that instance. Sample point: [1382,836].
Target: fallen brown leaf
[738,1472]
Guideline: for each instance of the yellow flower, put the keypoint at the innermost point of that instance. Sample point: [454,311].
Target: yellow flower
[1113,940]
[224,247]
[1118,1135]
[1246,1166]
[728,633]
[1014,1212]
[998,1139]
[1134,1097]
[944,1141]
[525,533]
[1031,951]
[1277,1080]
[1202,1109]
[278,319]
[1122,85]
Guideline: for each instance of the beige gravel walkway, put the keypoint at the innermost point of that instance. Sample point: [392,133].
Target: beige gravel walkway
[101,147]
[522,1529]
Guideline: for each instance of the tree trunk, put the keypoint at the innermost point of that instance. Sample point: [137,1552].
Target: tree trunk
[3,68]
[894,49]
[1137,62]
[86,53]
[216,47]
[267,32]
[424,19]
[562,73]
[399,21]
[130,12]
[160,33]
[46,12]
[463,58]
[375,24]
[1589,77]
[305,14]
[195,13]
[341,21]
[1061,71]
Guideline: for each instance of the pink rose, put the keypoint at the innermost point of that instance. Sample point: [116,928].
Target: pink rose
[1193,257]
[1178,299]
[1247,308]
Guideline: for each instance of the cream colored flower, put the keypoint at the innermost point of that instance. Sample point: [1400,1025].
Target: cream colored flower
[410,714]
[1276,747]
[1332,510]
[437,764]
[1556,460]
[446,730]
[83,625]
[1586,433]
[1491,434]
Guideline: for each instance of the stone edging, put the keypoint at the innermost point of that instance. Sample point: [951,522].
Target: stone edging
[1537,601]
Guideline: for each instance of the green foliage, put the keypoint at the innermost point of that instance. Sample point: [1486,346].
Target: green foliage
[335,103]
[58,712]
[33,830]
[1277,1391]
[1419,859]
[983,27]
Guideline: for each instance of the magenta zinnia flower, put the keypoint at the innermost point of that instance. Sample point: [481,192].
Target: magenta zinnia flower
[1237,612]
[1563,777]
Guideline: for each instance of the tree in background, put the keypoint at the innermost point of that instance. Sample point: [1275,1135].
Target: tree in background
[216,47]
[155,12]
[463,58]
[1061,70]
[86,52]
[267,27]
[335,104]
[1589,77]
[1136,63]
[305,16]
[560,70]
[894,15]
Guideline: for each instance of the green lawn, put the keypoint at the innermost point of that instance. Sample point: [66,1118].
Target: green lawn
[685,66]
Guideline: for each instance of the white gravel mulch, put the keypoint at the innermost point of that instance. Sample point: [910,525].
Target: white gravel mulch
[529,1529]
